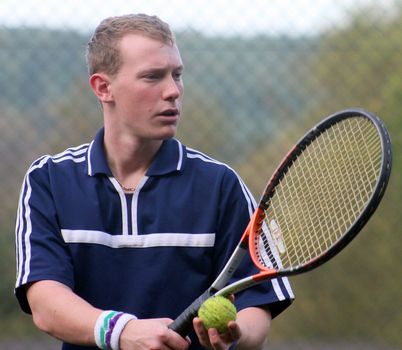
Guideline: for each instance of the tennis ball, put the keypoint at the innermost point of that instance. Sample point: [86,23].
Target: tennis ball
[216,312]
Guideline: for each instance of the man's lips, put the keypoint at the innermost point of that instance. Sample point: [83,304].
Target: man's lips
[170,112]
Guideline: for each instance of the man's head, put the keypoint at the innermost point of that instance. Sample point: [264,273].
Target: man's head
[103,53]
[136,73]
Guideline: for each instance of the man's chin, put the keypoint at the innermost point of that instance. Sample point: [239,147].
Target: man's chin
[166,134]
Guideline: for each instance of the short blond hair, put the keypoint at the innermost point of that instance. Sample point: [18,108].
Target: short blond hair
[103,53]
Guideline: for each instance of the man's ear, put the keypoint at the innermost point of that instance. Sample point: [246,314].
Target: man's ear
[100,84]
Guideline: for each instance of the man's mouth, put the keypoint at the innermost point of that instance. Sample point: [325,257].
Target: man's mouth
[171,112]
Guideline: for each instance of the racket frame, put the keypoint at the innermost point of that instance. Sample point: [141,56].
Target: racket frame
[285,165]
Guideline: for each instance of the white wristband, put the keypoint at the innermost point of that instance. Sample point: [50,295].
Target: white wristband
[99,329]
[118,329]
[108,328]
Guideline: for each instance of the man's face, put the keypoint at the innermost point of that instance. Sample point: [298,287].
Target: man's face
[148,88]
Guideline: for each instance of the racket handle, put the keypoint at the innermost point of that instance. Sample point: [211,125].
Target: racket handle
[184,322]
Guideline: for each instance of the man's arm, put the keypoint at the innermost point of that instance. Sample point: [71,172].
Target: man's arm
[254,324]
[248,332]
[58,311]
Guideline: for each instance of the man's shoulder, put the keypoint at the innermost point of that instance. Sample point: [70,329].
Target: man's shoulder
[202,163]
[71,156]
[203,159]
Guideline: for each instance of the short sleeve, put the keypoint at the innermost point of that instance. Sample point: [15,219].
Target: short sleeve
[41,251]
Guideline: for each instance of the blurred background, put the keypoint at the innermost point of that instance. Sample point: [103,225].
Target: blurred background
[258,75]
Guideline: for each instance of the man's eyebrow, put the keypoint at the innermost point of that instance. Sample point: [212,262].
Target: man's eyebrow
[157,69]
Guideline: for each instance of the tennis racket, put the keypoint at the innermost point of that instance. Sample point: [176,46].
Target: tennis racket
[318,199]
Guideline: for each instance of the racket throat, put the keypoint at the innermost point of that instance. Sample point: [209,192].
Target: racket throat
[230,267]
[237,286]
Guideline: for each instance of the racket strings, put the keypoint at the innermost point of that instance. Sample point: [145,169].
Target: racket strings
[322,193]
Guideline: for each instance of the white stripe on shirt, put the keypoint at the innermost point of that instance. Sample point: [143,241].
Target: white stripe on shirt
[139,241]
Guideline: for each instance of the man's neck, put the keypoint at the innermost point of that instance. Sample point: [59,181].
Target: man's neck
[129,158]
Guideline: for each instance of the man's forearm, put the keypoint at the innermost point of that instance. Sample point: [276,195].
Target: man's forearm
[254,323]
[59,312]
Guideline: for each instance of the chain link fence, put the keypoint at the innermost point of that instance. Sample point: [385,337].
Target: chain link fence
[258,75]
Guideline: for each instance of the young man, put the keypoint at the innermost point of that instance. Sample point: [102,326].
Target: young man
[116,237]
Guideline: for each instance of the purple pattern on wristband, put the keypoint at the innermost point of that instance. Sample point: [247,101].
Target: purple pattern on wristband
[112,324]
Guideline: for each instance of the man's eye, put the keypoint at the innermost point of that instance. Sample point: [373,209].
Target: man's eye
[177,76]
[152,76]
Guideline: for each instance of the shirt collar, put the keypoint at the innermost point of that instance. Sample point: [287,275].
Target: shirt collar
[97,163]
[169,158]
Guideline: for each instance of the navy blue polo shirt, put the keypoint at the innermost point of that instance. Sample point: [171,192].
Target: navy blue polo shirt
[149,253]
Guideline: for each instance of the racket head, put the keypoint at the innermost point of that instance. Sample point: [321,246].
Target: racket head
[322,193]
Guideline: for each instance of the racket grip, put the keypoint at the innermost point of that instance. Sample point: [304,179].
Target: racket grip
[184,322]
